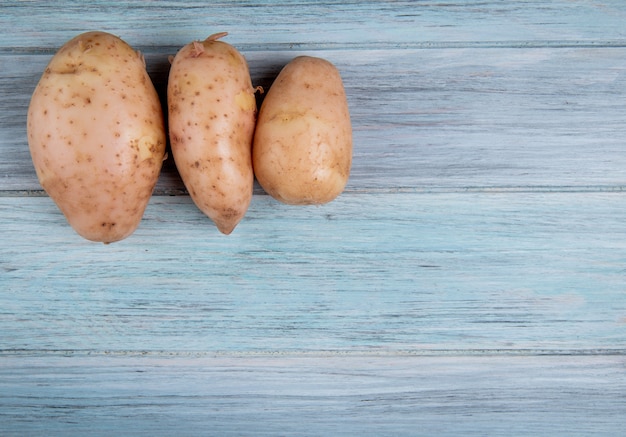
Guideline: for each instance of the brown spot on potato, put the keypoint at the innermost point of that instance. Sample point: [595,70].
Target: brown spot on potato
[206,153]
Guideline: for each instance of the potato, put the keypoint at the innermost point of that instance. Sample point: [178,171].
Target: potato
[302,150]
[212,113]
[96,135]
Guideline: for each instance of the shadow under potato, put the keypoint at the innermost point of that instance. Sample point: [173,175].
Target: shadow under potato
[263,72]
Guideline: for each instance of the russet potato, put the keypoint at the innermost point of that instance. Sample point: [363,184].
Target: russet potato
[96,135]
[302,150]
[212,113]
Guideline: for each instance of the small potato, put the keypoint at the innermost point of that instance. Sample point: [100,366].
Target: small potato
[302,151]
[96,135]
[212,112]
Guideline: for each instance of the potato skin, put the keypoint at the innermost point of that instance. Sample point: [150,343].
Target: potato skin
[302,150]
[212,113]
[96,135]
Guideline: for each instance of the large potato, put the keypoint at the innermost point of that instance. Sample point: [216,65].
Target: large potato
[302,149]
[212,113]
[96,135]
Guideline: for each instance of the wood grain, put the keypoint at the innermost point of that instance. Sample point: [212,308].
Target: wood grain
[312,396]
[310,23]
[460,118]
[466,110]
[469,281]
[395,271]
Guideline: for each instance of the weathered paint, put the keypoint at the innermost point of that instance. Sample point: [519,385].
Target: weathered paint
[470,280]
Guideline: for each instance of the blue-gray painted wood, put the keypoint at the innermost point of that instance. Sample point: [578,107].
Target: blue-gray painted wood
[394,271]
[459,117]
[274,395]
[34,24]
[471,279]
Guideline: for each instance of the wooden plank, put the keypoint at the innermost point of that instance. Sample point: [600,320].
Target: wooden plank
[403,271]
[469,281]
[312,395]
[468,102]
[310,23]
[430,119]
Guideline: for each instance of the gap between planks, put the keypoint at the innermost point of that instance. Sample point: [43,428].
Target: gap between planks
[371,353]
[341,46]
[164,192]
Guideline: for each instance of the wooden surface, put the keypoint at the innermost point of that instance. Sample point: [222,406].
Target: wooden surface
[470,280]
